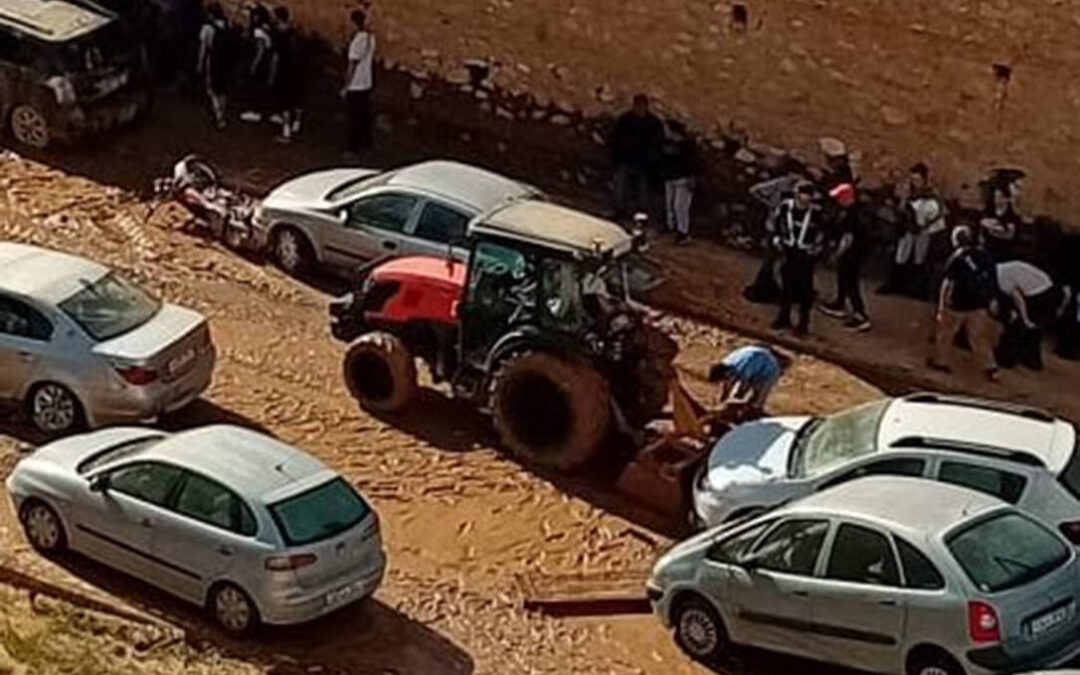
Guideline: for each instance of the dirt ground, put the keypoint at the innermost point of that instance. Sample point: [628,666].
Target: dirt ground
[461,522]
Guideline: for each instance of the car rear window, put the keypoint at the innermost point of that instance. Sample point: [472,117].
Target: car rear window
[320,513]
[1006,551]
[117,452]
[110,306]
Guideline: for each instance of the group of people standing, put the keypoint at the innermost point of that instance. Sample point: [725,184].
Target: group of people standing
[267,62]
[264,58]
[646,151]
[988,299]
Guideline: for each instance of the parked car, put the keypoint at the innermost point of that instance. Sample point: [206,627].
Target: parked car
[884,574]
[1022,455]
[80,345]
[343,217]
[67,68]
[251,528]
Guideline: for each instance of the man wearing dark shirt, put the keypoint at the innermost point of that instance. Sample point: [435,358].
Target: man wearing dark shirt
[800,240]
[964,303]
[850,255]
[635,148]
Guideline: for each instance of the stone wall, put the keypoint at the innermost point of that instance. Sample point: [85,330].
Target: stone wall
[961,84]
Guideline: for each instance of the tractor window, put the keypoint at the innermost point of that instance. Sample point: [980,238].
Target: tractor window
[502,294]
[560,287]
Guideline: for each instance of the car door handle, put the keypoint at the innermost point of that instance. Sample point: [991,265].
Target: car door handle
[27,356]
[801,594]
[225,551]
[887,603]
[389,245]
[146,522]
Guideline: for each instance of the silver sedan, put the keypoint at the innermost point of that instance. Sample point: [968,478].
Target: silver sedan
[249,527]
[80,345]
[341,218]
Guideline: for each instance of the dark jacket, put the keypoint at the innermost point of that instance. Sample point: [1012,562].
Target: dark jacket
[679,159]
[635,140]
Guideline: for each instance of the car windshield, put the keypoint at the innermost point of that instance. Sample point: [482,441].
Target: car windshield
[318,514]
[1006,551]
[828,441]
[356,186]
[117,452]
[110,306]
[110,45]
[1070,477]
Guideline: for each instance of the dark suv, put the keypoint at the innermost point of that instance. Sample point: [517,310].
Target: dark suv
[67,68]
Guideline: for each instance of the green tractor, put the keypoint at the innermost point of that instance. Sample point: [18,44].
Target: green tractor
[538,329]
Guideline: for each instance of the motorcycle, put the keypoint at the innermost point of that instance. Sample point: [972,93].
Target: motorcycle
[219,212]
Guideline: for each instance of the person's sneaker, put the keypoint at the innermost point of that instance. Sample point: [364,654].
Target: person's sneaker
[860,324]
[276,119]
[832,309]
[802,330]
[282,139]
[250,116]
[993,374]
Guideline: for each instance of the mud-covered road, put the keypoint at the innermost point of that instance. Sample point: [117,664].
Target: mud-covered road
[461,522]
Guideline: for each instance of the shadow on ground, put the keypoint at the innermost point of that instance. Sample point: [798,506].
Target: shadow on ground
[367,637]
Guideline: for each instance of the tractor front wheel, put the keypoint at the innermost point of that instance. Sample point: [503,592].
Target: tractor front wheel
[551,411]
[381,373]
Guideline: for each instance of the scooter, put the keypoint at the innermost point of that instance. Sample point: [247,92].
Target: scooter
[217,211]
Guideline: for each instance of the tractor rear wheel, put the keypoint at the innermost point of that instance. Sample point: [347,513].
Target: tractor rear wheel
[381,373]
[551,411]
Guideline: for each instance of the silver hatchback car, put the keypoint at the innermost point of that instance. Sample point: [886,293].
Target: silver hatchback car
[884,574]
[82,345]
[341,218]
[249,527]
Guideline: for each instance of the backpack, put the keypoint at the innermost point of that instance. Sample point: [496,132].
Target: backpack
[979,281]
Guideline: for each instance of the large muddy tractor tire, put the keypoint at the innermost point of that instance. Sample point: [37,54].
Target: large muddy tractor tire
[381,373]
[551,411]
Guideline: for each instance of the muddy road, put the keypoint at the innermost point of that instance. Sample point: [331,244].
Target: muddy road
[461,522]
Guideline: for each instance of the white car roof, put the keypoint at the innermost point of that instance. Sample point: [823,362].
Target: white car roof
[52,20]
[44,274]
[911,505]
[477,188]
[258,467]
[976,422]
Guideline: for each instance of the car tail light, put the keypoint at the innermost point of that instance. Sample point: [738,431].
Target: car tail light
[983,625]
[284,563]
[1071,531]
[138,375]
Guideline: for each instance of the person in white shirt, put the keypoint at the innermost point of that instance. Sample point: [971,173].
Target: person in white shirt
[1029,290]
[358,85]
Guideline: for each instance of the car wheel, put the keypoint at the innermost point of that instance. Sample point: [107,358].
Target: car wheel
[933,662]
[292,252]
[43,528]
[233,610]
[54,409]
[699,630]
[30,127]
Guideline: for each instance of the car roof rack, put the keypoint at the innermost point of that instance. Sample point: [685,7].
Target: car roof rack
[1028,412]
[978,449]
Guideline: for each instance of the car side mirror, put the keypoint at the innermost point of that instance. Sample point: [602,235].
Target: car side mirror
[100,483]
[343,216]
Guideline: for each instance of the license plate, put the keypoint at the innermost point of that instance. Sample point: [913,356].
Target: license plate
[340,596]
[180,362]
[1048,622]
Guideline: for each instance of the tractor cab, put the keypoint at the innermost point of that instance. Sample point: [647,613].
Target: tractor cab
[540,330]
